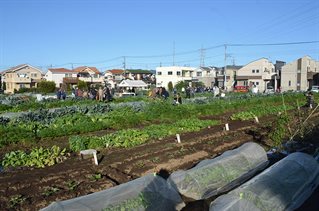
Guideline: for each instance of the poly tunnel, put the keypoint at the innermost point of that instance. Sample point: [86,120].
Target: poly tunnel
[283,186]
[146,193]
[218,175]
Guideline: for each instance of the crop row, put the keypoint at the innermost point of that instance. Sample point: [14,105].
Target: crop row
[83,119]
[133,137]
[38,157]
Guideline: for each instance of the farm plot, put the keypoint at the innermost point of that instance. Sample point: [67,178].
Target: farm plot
[34,188]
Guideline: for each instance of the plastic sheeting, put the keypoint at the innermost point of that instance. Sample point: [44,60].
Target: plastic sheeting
[146,193]
[214,176]
[283,186]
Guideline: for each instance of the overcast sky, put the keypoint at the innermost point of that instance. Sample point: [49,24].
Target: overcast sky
[148,33]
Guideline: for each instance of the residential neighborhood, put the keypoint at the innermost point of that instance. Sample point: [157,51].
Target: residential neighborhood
[298,75]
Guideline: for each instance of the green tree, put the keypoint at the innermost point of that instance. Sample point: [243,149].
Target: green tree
[179,85]
[46,87]
[82,85]
[170,86]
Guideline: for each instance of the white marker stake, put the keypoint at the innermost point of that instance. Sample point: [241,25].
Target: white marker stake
[95,158]
[90,151]
[226,127]
[256,119]
[178,138]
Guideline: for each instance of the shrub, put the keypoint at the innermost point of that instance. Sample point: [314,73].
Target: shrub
[46,87]
[82,85]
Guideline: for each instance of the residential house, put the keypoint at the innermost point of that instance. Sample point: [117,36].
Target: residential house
[138,74]
[300,75]
[66,77]
[206,75]
[21,76]
[89,74]
[114,77]
[231,72]
[260,73]
[60,75]
[174,74]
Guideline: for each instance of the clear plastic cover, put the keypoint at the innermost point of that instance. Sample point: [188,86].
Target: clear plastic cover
[146,193]
[283,186]
[215,176]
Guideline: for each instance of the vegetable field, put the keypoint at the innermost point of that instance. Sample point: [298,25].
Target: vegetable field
[39,146]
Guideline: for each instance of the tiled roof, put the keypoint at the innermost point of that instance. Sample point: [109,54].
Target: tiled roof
[60,70]
[116,71]
[82,68]
[14,68]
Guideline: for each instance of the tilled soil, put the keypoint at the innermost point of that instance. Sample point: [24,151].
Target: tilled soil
[76,177]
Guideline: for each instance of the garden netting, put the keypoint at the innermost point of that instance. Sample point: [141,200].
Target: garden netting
[283,186]
[213,176]
[146,193]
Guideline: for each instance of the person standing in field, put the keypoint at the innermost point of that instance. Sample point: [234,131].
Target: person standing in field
[100,94]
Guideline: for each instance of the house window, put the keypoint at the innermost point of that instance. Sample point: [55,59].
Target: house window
[245,83]
[22,75]
[22,85]
[199,74]
[289,83]
[253,71]
[257,71]
[257,83]
[34,75]
[169,73]
[159,73]
[208,72]
[178,73]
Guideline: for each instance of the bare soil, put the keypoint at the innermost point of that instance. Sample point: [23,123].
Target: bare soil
[75,176]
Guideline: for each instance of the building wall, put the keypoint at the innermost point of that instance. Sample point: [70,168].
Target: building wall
[259,72]
[163,76]
[294,74]
[58,77]
[21,78]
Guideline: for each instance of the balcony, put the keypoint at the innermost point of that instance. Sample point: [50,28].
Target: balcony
[19,80]
[70,80]
[92,79]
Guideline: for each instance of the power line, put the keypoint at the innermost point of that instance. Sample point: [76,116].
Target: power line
[272,44]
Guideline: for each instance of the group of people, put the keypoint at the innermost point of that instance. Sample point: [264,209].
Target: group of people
[100,94]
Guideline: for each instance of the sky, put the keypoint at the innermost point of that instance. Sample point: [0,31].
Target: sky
[145,34]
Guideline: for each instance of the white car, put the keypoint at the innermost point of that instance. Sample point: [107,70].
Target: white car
[315,89]
[270,90]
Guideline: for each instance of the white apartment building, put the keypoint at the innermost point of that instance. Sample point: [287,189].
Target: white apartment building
[260,73]
[300,74]
[174,74]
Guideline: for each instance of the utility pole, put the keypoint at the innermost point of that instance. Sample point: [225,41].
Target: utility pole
[174,53]
[72,66]
[124,63]
[202,57]
[225,68]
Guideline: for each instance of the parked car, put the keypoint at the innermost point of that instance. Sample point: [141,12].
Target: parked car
[315,89]
[241,88]
[270,90]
